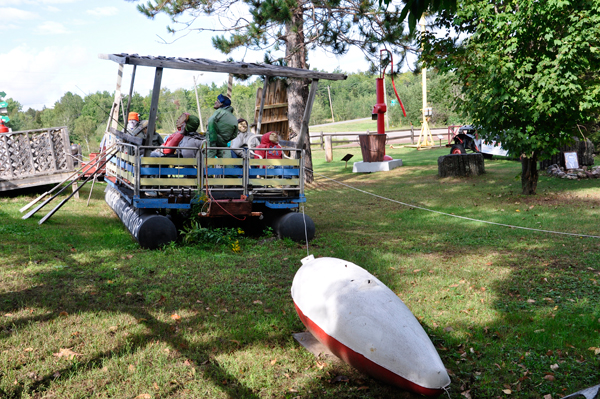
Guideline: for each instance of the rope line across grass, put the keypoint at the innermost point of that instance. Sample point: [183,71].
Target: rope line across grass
[449,214]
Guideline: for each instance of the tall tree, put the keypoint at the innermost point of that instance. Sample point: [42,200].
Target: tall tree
[296,26]
[528,72]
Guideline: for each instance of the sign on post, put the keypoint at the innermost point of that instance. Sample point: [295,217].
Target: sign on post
[571,161]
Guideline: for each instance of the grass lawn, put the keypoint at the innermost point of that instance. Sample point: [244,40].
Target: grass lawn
[84,312]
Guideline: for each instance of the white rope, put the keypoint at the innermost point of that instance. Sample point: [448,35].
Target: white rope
[455,216]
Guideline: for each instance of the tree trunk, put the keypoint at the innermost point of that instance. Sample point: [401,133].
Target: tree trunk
[297,92]
[529,174]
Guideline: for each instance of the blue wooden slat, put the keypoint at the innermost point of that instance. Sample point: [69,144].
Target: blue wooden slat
[168,171]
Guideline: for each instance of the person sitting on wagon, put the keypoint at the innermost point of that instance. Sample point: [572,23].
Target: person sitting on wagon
[222,127]
[191,138]
[174,139]
[270,141]
[241,141]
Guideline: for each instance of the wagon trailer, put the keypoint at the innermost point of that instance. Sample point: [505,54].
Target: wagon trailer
[150,194]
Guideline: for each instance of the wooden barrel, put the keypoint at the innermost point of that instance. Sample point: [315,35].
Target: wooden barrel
[372,147]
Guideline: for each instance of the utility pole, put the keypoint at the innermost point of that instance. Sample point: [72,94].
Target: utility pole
[330,104]
[198,104]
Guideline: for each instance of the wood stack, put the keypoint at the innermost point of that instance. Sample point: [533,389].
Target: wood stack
[461,165]
[275,110]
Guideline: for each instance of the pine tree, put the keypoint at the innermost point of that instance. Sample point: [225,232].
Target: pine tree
[295,26]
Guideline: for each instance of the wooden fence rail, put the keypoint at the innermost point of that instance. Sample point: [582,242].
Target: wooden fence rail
[352,137]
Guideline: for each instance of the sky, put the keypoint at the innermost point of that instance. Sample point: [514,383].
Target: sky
[50,47]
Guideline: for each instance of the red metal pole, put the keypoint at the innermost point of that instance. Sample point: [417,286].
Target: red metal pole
[380,106]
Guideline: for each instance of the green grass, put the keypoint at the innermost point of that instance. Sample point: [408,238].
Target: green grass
[503,306]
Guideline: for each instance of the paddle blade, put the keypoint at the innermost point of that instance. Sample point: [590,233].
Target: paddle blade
[32,203]
[37,208]
[53,211]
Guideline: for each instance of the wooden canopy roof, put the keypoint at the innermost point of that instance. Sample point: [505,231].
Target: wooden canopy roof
[202,64]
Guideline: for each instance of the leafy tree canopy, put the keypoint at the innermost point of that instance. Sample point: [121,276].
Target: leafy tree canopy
[528,71]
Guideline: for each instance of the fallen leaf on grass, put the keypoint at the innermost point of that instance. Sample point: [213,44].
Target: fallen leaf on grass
[176,317]
[531,301]
[321,365]
[549,377]
[416,270]
[448,329]
[143,396]
[362,388]
[63,314]
[548,396]
[507,391]
[466,394]
[554,367]
[595,350]
[257,302]
[131,368]
[66,352]
[273,361]
[28,350]
[8,315]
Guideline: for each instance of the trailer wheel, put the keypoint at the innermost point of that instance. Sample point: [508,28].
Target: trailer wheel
[457,149]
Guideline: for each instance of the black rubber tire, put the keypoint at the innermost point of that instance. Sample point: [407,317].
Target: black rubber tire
[457,149]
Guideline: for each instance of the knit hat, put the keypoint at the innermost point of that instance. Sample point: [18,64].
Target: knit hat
[192,124]
[224,100]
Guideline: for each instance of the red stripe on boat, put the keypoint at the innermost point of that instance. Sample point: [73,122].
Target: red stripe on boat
[360,362]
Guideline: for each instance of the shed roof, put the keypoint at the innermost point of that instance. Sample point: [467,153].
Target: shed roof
[202,64]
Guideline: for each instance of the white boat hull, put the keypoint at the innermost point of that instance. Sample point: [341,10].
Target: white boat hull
[365,324]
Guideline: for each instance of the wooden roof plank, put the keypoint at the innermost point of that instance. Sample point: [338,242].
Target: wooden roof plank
[201,64]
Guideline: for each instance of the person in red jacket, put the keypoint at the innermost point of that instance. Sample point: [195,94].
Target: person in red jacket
[270,141]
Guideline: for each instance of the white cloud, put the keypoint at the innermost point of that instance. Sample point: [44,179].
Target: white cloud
[40,77]
[12,14]
[103,11]
[23,2]
[9,27]
[57,1]
[52,9]
[51,28]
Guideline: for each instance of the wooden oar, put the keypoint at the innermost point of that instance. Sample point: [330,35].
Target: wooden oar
[57,207]
[88,166]
[43,204]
